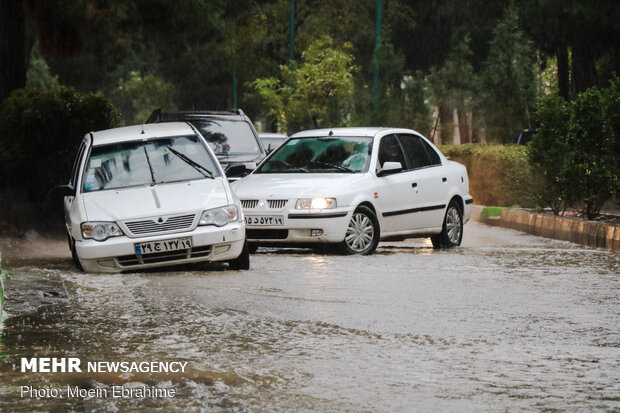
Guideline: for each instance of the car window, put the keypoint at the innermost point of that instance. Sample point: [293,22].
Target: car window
[418,151]
[432,152]
[390,151]
[320,155]
[415,151]
[228,138]
[161,160]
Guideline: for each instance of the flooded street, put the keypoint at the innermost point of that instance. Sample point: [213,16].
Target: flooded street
[505,322]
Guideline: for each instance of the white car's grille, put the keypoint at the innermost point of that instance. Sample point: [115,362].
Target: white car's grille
[161,224]
[276,203]
[271,203]
[249,203]
[135,260]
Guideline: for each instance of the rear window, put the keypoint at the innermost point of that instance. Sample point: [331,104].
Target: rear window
[228,137]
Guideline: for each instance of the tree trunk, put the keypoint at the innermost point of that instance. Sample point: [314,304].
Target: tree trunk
[446,120]
[12,47]
[475,127]
[315,121]
[463,126]
[583,70]
[563,70]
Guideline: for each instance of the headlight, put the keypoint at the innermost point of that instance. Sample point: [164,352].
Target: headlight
[219,216]
[316,203]
[100,231]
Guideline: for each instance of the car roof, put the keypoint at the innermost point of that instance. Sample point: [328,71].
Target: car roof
[141,132]
[354,131]
[188,115]
[272,135]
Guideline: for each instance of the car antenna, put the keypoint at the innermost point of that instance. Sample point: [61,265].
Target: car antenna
[142,133]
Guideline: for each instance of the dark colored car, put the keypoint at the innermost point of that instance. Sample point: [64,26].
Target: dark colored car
[230,134]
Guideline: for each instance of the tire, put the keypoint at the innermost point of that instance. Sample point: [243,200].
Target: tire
[253,247]
[74,256]
[452,230]
[363,232]
[242,262]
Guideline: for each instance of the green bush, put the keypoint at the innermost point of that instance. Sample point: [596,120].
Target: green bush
[498,174]
[548,149]
[576,148]
[593,171]
[39,134]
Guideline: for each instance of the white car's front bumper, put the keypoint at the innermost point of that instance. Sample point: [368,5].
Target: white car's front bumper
[209,243]
[300,226]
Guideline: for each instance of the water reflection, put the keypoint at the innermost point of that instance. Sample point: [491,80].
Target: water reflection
[511,323]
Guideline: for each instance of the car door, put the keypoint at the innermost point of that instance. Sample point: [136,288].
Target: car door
[392,193]
[428,181]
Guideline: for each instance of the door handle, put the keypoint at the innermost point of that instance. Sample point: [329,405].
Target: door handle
[444,179]
[414,184]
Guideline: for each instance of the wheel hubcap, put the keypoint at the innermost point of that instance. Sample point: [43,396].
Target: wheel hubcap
[360,232]
[453,225]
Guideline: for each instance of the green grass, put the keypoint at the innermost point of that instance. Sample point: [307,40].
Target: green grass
[490,211]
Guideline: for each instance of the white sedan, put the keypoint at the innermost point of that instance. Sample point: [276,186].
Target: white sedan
[353,187]
[151,195]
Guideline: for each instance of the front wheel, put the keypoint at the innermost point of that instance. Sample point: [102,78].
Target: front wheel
[242,262]
[74,255]
[363,233]
[452,230]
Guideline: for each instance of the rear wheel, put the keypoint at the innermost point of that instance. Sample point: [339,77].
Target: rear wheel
[74,255]
[242,262]
[452,231]
[363,232]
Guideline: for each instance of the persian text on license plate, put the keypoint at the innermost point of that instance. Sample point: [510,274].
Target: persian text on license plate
[263,220]
[152,247]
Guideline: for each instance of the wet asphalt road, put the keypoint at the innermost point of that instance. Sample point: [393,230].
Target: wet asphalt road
[507,321]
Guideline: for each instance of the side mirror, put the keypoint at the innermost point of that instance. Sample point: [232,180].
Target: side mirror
[64,190]
[390,168]
[240,169]
[271,147]
[237,169]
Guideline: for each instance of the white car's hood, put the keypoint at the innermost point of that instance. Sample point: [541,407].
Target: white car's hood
[148,201]
[286,186]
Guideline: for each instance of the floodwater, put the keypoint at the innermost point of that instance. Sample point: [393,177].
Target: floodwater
[508,321]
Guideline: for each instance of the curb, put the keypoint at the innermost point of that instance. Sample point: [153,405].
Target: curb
[591,233]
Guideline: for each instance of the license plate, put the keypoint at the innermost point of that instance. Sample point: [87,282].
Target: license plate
[264,220]
[152,247]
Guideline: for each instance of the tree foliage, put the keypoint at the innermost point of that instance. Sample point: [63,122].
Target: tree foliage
[507,86]
[323,80]
[453,85]
[201,47]
[40,131]
[137,97]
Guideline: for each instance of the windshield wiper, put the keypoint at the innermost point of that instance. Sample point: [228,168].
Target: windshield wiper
[288,165]
[329,165]
[207,173]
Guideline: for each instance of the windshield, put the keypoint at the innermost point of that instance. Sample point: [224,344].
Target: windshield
[136,163]
[228,138]
[322,155]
